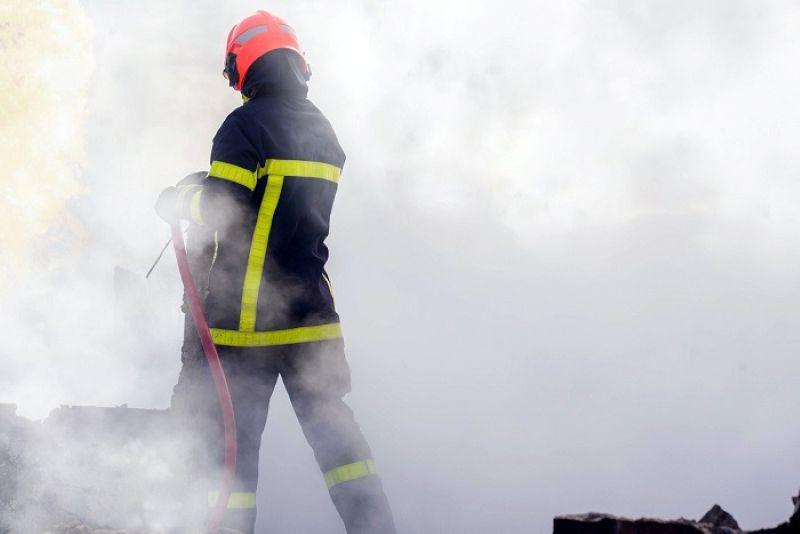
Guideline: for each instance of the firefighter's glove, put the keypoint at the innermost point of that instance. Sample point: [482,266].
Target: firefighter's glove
[193,178]
[167,205]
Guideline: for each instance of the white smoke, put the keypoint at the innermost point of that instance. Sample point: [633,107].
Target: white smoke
[564,247]
[45,51]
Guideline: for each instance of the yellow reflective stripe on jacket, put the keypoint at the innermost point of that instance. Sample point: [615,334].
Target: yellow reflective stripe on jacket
[238,500]
[276,170]
[289,336]
[233,173]
[302,169]
[258,253]
[346,473]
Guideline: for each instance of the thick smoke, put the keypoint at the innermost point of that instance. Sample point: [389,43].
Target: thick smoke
[43,45]
[46,50]
[564,248]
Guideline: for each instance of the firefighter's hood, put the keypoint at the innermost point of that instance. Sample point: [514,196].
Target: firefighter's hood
[280,72]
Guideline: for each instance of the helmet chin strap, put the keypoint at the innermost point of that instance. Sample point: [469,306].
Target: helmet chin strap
[229,72]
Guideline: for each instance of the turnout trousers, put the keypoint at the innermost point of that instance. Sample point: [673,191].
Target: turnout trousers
[316,376]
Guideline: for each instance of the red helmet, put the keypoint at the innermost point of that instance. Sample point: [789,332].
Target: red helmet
[255,36]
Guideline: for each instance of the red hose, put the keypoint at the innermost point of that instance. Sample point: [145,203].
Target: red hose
[223,393]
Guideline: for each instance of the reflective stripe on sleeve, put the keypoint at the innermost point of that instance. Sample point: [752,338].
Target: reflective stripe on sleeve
[233,173]
[238,500]
[290,336]
[258,253]
[346,473]
[302,169]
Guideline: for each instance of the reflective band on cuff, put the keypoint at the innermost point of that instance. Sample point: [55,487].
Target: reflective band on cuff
[187,202]
[346,473]
[194,209]
[233,173]
[301,169]
[258,253]
[184,192]
[238,500]
[290,336]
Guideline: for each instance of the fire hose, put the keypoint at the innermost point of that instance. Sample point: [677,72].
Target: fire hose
[221,384]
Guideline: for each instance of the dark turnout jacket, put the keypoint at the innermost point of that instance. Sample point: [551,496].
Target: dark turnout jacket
[275,165]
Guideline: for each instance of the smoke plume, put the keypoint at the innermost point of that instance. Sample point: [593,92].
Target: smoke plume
[564,248]
[46,53]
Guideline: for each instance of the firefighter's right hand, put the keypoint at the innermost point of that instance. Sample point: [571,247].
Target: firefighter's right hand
[193,178]
[167,205]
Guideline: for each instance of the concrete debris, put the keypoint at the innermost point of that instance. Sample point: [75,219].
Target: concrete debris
[715,521]
[792,526]
[720,518]
[88,469]
[608,524]
[85,529]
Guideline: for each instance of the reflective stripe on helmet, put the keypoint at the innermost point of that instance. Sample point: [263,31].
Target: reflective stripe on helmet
[252,32]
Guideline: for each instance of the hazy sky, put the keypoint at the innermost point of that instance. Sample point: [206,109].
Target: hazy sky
[565,247]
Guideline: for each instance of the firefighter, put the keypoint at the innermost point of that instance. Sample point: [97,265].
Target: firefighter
[267,199]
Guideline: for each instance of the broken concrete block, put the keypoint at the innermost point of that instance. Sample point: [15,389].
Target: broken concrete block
[609,524]
[719,518]
[715,521]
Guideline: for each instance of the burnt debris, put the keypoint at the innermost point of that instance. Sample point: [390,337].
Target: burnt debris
[715,521]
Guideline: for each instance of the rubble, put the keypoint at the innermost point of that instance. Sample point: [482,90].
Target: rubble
[594,523]
[792,526]
[14,433]
[88,469]
[715,521]
[85,529]
[94,470]
[719,518]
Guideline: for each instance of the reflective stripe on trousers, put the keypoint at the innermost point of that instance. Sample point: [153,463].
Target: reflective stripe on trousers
[244,500]
[348,472]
